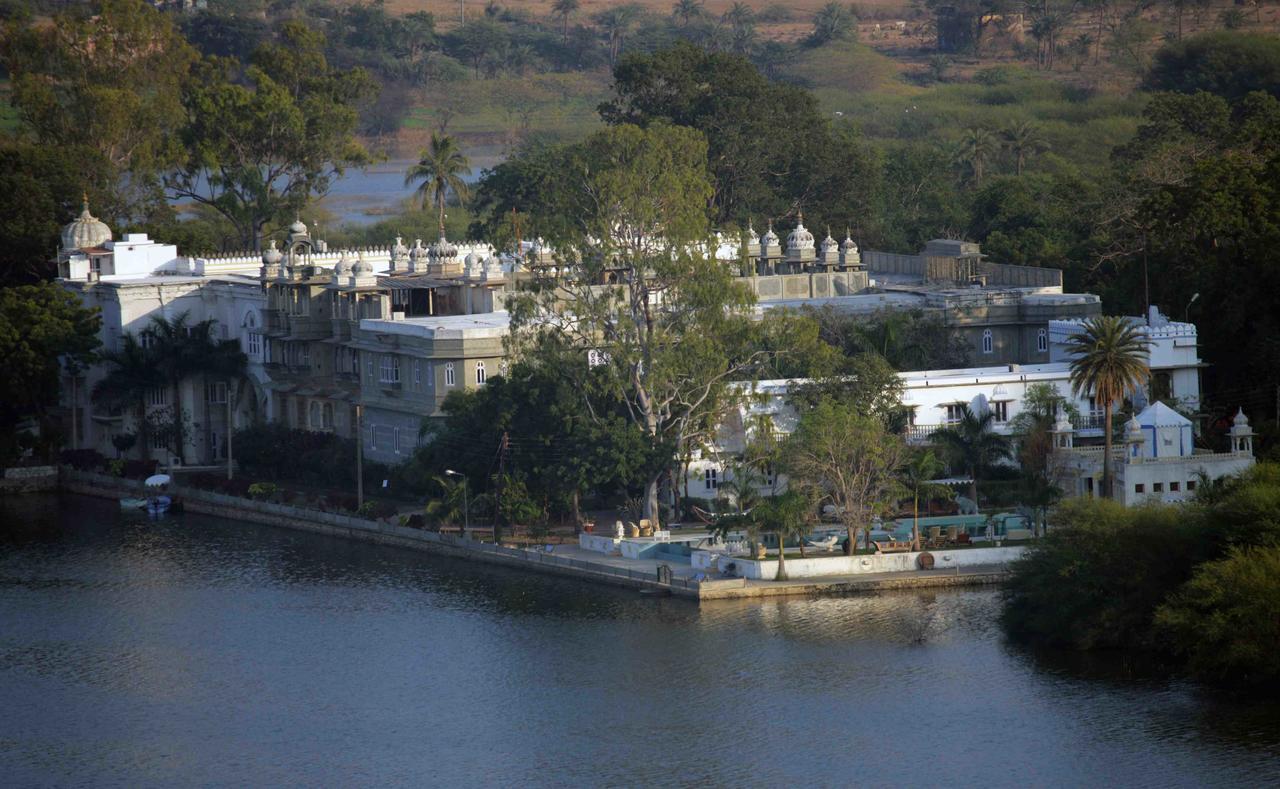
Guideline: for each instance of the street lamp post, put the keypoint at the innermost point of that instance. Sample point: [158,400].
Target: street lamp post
[466,514]
[1186,314]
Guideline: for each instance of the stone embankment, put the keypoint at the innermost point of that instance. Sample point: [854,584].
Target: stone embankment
[579,565]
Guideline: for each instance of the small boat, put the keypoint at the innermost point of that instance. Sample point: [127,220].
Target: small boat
[158,505]
[134,504]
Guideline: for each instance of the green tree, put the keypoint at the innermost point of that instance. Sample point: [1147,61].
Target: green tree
[449,507]
[1230,65]
[40,326]
[109,82]
[40,189]
[788,516]
[973,444]
[564,10]
[770,148]
[616,22]
[1223,621]
[1109,359]
[626,214]
[1023,139]
[442,169]
[851,458]
[132,374]
[688,11]
[262,141]
[916,476]
[832,22]
[182,350]
[977,147]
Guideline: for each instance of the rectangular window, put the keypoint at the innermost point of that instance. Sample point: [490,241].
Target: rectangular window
[417,374]
[215,392]
[955,412]
[368,365]
[1000,410]
[157,395]
[383,437]
[1157,487]
[389,369]
[1191,484]
[1174,487]
[159,440]
[709,479]
[395,439]
[255,344]
[328,416]
[1139,488]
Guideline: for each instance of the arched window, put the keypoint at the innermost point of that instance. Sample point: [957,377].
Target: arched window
[1042,340]
[988,346]
[448,374]
[479,373]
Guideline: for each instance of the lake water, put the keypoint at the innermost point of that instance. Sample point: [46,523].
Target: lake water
[203,651]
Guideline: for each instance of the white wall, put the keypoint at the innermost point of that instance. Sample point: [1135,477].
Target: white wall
[820,567]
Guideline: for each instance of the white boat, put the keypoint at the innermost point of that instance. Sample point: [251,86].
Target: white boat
[134,504]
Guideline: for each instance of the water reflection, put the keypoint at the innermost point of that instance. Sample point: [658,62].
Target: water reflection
[198,650]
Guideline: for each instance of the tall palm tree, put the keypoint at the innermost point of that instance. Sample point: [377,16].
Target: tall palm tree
[973,444]
[1023,139]
[565,9]
[687,11]
[131,376]
[916,476]
[832,22]
[616,23]
[1109,358]
[182,350]
[977,146]
[441,169]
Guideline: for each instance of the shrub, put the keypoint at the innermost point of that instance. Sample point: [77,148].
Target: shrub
[82,459]
[1097,578]
[1225,621]
[262,490]
[376,510]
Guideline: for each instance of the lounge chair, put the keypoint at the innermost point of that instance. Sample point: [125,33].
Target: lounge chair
[828,544]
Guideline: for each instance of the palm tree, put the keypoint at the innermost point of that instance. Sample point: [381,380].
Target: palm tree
[916,476]
[973,443]
[132,376]
[441,169]
[1023,139]
[832,22]
[687,11]
[183,350]
[1109,358]
[790,516]
[977,146]
[565,9]
[617,23]
[451,507]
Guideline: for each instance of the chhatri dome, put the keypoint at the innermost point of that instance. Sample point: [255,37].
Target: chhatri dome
[800,237]
[86,231]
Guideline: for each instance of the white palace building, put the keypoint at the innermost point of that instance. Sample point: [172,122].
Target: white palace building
[369,342]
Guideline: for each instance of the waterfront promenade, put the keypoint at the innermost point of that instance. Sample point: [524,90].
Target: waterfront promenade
[565,560]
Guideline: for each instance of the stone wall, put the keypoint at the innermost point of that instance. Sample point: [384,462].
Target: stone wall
[29,479]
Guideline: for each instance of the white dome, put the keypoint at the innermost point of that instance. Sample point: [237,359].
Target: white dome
[800,237]
[344,265]
[828,243]
[1240,419]
[298,228]
[848,243]
[752,237]
[471,259]
[418,250]
[86,231]
[442,249]
[362,266]
[399,250]
[770,237]
[272,256]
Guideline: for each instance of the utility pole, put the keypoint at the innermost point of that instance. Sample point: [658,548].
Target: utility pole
[497,494]
[231,426]
[359,456]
